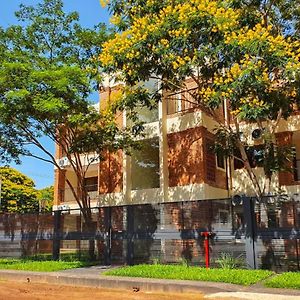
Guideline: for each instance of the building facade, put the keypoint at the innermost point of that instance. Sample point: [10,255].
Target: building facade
[175,162]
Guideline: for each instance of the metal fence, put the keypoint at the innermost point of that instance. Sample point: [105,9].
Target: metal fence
[257,234]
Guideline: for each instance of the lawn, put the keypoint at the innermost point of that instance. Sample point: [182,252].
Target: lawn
[40,266]
[242,277]
[289,280]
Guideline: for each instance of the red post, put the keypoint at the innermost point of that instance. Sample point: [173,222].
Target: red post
[206,235]
[207,252]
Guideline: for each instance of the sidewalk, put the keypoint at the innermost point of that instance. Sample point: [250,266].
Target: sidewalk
[92,277]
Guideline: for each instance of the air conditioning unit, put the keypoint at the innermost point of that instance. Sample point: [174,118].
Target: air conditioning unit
[237,200]
[63,162]
[65,209]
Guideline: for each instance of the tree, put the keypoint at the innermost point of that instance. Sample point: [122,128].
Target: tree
[18,194]
[47,71]
[238,56]
[285,14]
[45,198]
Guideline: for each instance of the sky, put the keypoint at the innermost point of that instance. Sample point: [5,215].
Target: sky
[91,13]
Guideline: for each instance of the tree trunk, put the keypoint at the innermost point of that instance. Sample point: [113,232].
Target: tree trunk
[256,186]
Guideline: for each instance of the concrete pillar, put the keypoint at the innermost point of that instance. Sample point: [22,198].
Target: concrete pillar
[126,171]
[163,148]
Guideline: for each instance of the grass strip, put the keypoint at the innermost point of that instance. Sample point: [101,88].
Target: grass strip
[242,277]
[40,266]
[288,280]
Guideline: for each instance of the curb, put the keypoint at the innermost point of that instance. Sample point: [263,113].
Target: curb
[131,283]
[114,282]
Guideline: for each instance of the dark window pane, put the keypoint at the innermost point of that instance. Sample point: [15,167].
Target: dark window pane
[91,184]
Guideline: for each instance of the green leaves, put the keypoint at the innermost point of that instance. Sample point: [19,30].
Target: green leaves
[17,192]
[47,71]
[45,197]
[242,53]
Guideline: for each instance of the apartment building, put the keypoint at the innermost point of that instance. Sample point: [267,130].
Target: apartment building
[176,162]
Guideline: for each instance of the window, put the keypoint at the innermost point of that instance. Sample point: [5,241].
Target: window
[174,103]
[145,165]
[210,160]
[146,114]
[255,156]
[220,160]
[91,184]
[223,217]
[182,100]
[296,165]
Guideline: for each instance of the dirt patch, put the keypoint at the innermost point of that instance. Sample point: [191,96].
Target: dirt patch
[34,291]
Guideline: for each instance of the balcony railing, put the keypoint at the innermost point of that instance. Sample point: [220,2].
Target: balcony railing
[66,195]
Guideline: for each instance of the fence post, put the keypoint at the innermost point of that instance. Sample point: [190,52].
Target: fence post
[107,241]
[56,235]
[130,230]
[296,237]
[250,232]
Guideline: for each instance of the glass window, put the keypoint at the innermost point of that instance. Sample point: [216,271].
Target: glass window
[146,114]
[91,184]
[145,165]
[174,104]
[220,160]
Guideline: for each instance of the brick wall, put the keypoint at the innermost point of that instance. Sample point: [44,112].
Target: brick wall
[191,159]
[185,157]
[111,173]
[59,186]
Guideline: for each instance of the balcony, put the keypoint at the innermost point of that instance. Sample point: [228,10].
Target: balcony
[66,196]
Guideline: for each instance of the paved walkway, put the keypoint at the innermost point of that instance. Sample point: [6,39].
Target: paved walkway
[92,277]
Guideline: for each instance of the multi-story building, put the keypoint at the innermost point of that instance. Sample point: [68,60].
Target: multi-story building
[176,162]
[175,166]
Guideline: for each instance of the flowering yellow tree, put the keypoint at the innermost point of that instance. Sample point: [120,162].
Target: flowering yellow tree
[237,56]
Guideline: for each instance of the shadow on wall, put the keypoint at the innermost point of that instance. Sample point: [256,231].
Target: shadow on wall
[29,234]
[278,243]
[111,175]
[185,157]
[146,220]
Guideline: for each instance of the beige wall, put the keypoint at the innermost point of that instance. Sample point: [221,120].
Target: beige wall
[181,158]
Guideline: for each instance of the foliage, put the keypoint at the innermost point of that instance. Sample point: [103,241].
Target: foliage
[45,197]
[243,277]
[289,280]
[47,72]
[243,58]
[227,261]
[17,192]
[40,266]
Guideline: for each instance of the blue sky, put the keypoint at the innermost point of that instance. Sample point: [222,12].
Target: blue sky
[91,13]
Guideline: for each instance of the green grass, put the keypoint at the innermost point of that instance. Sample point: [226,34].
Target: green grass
[243,277]
[289,280]
[40,266]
